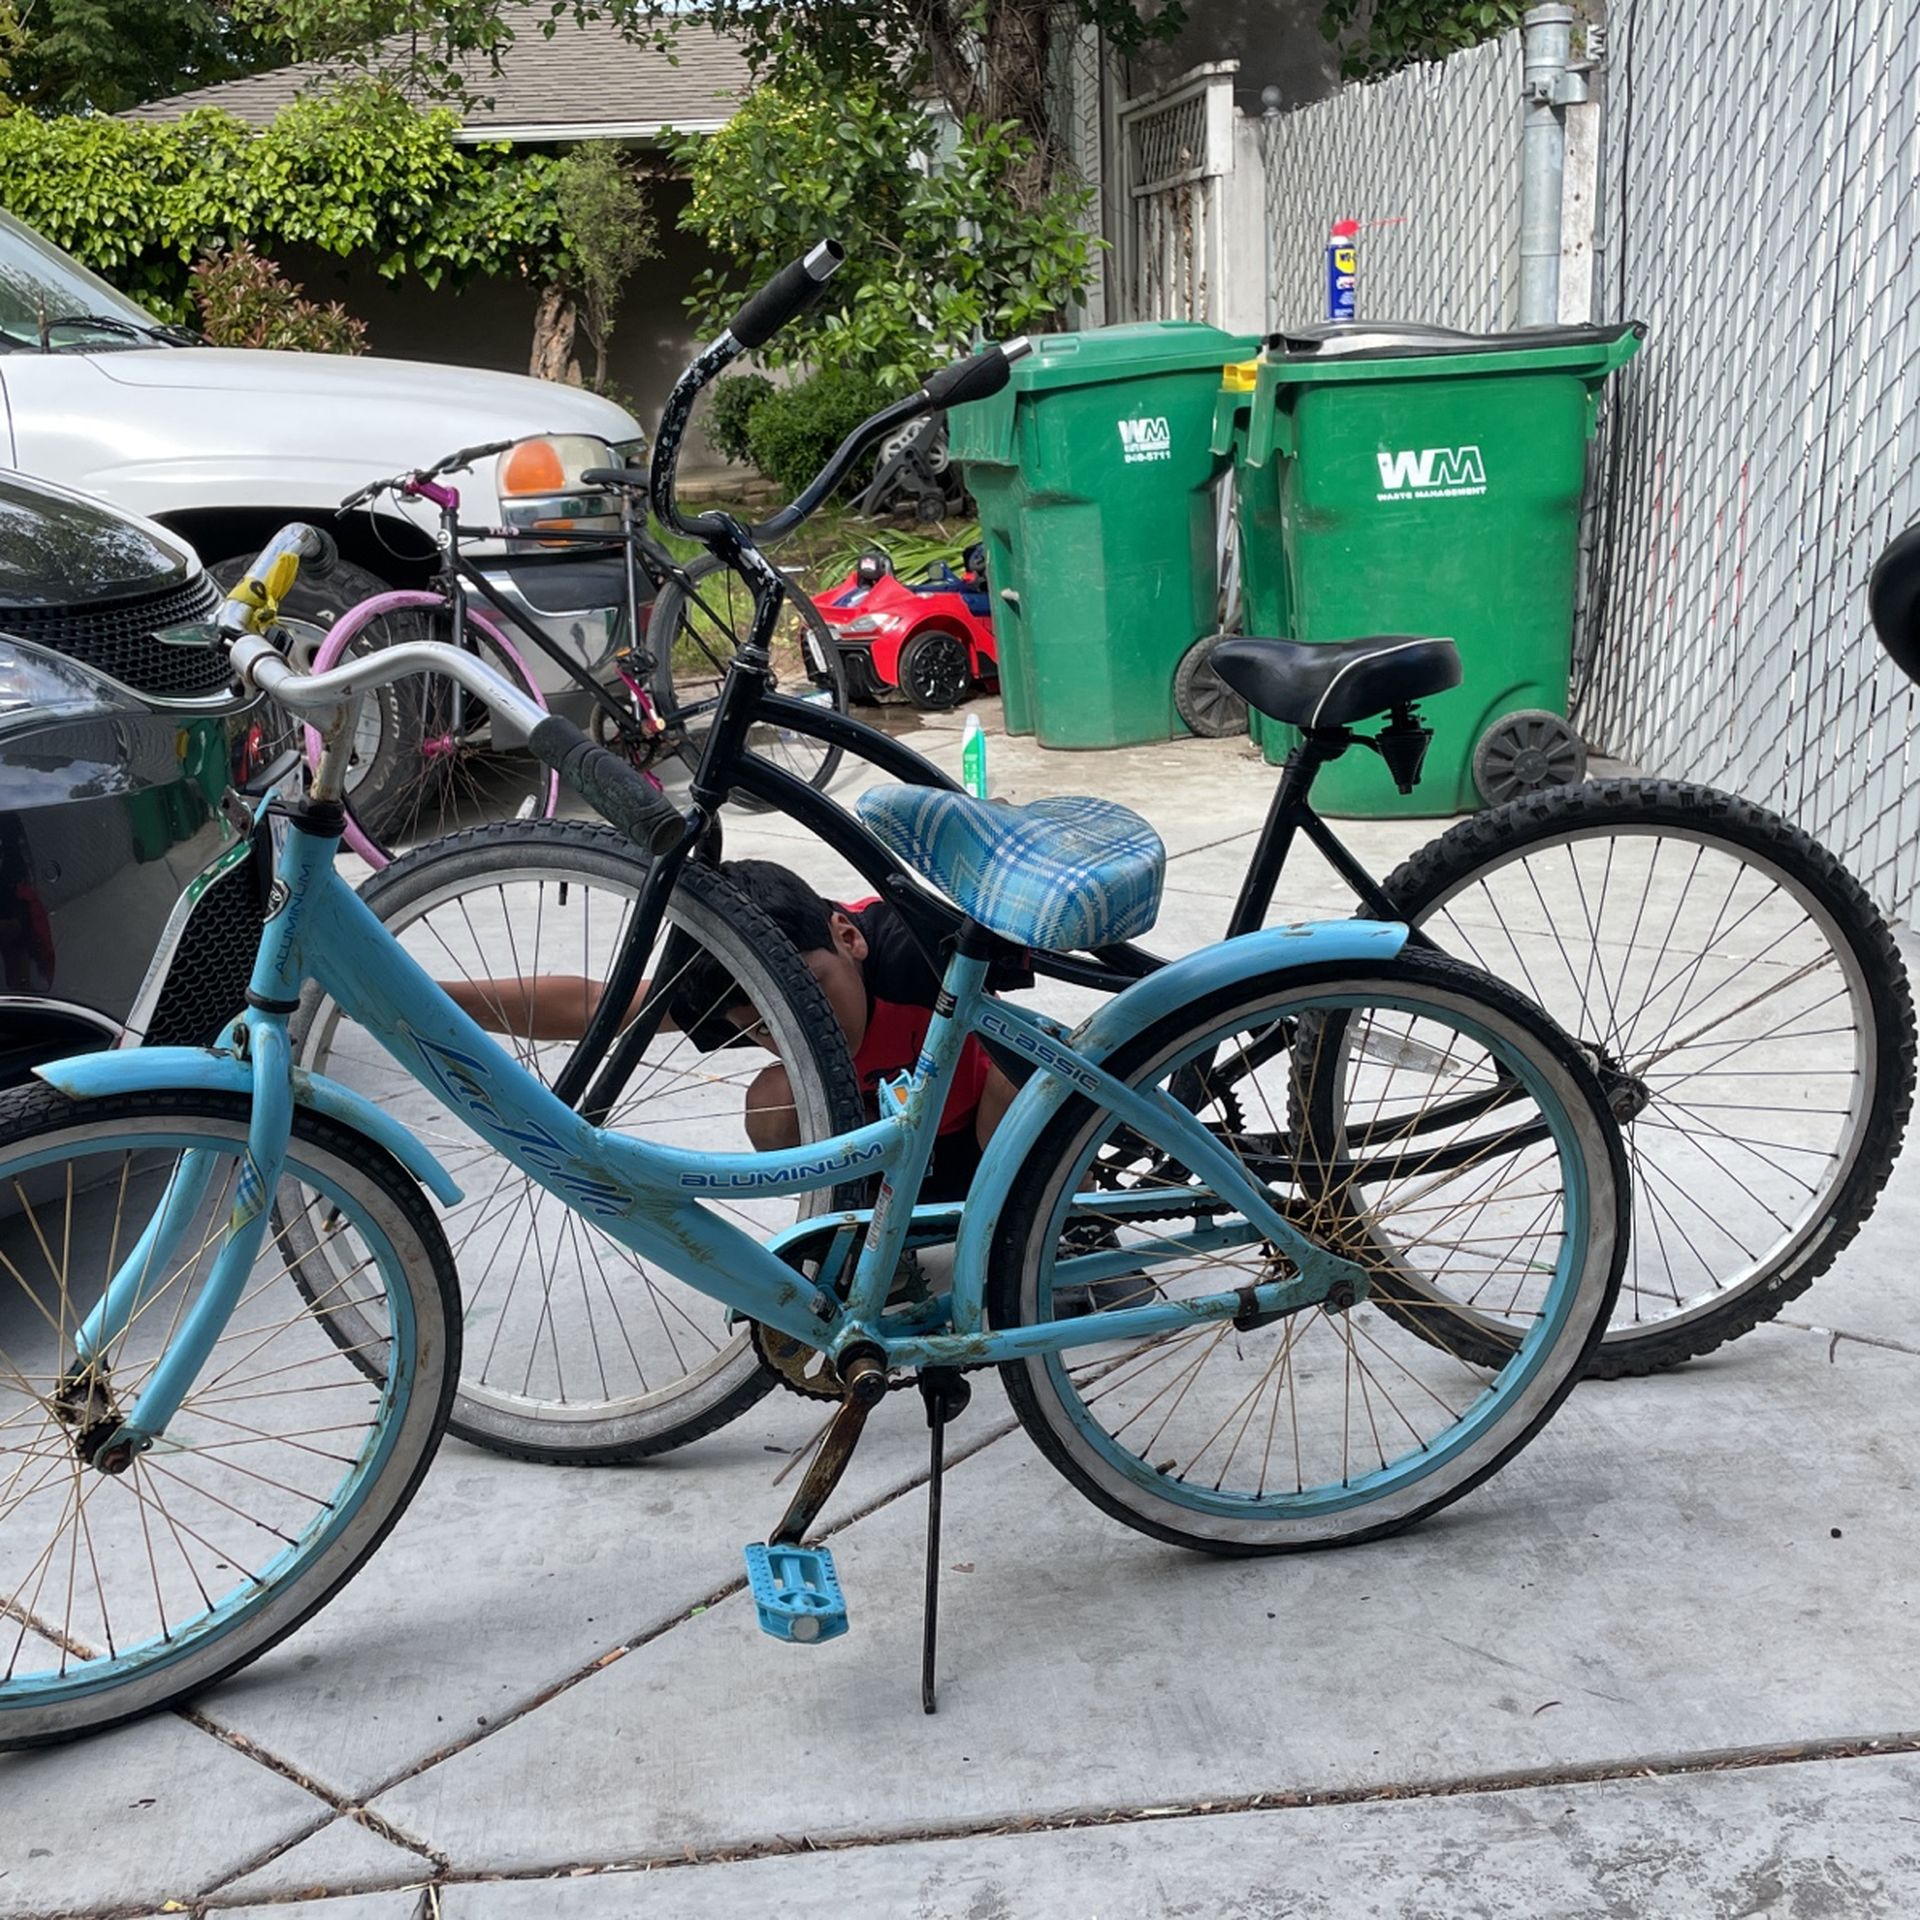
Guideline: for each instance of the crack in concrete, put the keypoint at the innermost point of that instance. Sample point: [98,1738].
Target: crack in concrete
[342,1806]
[957,1456]
[773,1846]
[1834,1335]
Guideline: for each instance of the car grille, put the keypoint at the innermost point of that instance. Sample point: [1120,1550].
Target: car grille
[119,637]
[207,980]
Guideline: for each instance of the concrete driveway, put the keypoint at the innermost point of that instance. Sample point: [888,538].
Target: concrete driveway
[1663,1665]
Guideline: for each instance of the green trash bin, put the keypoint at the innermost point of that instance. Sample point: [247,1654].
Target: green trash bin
[1094,472]
[1415,481]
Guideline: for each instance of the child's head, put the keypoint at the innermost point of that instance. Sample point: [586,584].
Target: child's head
[827,939]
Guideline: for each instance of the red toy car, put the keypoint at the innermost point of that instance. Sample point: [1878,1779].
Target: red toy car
[930,639]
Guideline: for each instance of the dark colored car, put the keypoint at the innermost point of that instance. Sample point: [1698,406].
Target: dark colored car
[129,896]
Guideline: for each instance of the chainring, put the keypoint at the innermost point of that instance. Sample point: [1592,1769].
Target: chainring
[799,1368]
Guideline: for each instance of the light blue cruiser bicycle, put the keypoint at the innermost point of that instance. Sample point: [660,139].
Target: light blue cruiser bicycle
[229,1322]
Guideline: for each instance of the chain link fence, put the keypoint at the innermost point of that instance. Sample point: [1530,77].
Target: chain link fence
[1429,164]
[1759,208]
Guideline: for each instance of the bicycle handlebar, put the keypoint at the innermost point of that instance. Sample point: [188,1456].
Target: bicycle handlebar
[600,778]
[787,295]
[453,463]
[255,600]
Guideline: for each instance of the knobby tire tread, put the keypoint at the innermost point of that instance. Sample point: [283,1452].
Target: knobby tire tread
[1453,859]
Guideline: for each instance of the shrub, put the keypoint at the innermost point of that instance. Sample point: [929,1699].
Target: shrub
[244,300]
[733,404]
[793,430]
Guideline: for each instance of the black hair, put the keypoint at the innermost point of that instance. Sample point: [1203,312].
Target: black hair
[702,988]
[793,906]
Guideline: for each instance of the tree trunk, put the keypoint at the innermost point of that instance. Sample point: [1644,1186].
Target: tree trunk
[555,323]
[1017,55]
[994,65]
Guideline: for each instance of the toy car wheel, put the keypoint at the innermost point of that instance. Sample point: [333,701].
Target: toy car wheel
[1201,698]
[1525,751]
[935,669]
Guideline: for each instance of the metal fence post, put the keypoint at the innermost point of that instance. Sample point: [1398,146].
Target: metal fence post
[1549,86]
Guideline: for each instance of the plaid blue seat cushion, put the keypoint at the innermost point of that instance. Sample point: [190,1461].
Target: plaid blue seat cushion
[1055,874]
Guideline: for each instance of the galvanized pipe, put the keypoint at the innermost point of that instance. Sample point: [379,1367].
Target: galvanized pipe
[1548,48]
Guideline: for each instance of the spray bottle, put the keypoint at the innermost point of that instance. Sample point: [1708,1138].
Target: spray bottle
[973,757]
[1343,268]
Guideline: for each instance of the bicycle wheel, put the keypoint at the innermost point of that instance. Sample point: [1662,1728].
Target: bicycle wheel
[576,1349]
[692,637]
[1323,1427]
[290,1457]
[1748,1011]
[451,771]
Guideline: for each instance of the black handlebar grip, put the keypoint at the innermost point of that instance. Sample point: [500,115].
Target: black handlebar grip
[788,294]
[324,555]
[1893,601]
[978,378]
[625,798]
[614,477]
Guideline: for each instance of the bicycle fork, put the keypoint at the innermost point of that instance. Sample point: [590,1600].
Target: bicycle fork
[108,1436]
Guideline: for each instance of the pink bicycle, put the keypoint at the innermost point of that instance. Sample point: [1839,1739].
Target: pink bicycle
[428,756]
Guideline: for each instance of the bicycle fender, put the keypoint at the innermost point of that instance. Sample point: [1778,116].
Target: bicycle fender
[88,1076]
[1228,963]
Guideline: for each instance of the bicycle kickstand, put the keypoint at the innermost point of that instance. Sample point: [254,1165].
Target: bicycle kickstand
[946,1393]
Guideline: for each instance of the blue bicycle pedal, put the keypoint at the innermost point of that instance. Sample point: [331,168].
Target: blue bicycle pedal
[796,1593]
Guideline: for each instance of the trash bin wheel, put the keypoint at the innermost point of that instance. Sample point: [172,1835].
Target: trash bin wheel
[1525,751]
[1201,698]
[935,669]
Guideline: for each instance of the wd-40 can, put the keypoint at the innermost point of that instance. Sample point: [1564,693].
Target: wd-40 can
[1343,268]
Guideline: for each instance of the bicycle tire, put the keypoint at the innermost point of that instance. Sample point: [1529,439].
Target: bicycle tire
[296,1364]
[1083,1434]
[392,807]
[708,616]
[452,898]
[1444,887]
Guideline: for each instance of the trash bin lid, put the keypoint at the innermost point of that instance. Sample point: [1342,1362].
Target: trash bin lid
[1405,350]
[1369,336]
[1128,353]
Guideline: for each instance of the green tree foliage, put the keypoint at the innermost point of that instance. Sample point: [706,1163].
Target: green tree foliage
[937,254]
[990,61]
[349,172]
[730,409]
[1380,36]
[792,433]
[244,300]
[106,55]
[609,231]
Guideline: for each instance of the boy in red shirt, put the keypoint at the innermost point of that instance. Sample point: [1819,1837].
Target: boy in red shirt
[875,977]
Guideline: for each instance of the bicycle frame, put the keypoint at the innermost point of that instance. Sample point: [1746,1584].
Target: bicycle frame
[598,1066]
[649,1197]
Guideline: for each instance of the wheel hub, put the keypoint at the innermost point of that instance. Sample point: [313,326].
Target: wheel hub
[1627,1095]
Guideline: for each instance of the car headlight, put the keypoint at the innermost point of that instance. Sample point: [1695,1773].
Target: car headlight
[540,484]
[37,685]
[863,624]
